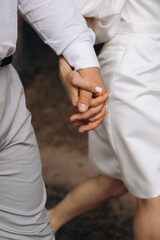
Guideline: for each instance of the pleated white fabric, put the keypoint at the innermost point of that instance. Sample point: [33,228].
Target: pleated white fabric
[127,145]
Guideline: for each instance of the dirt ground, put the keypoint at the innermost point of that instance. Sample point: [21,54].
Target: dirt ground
[63,150]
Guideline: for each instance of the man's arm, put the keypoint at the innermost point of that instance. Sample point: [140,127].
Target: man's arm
[72,81]
[61,26]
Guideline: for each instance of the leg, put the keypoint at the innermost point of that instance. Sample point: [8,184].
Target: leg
[147,219]
[85,197]
[22,191]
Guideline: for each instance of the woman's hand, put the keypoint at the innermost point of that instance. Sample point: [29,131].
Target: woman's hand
[90,80]
[87,79]
[94,116]
[90,77]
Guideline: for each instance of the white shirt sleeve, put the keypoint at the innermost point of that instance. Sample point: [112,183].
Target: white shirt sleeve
[61,26]
[106,16]
[8,28]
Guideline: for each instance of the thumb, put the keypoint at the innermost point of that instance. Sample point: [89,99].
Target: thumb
[85,98]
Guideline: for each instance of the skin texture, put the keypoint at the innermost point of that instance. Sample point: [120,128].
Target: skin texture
[147,219]
[92,192]
[84,197]
[81,88]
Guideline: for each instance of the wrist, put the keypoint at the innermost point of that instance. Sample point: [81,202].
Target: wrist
[89,72]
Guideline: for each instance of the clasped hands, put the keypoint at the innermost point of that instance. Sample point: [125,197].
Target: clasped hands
[87,93]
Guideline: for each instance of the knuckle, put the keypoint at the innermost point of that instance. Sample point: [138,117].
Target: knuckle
[94,105]
[92,119]
[95,124]
[85,98]
[100,115]
[74,103]
[89,86]
[90,116]
[101,120]
[81,117]
[97,111]
[99,108]
[91,128]
[85,117]
[91,110]
[86,95]
[92,125]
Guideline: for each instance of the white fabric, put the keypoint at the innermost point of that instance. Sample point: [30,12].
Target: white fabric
[57,22]
[127,145]
[106,16]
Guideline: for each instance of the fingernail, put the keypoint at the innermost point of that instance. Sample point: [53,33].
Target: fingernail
[110,94]
[98,89]
[83,107]
[106,106]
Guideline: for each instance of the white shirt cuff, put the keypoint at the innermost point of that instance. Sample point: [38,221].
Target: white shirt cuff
[81,55]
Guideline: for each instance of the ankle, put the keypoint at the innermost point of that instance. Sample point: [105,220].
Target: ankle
[56,221]
[53,222]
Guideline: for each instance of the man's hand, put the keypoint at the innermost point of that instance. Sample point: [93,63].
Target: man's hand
[75,83]
[90,77]
[94,116]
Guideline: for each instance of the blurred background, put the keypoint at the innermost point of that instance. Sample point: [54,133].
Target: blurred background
[63,150]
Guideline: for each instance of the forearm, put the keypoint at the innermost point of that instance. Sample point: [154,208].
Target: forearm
[62,27]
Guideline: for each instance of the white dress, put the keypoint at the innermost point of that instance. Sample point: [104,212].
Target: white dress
[127,145]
